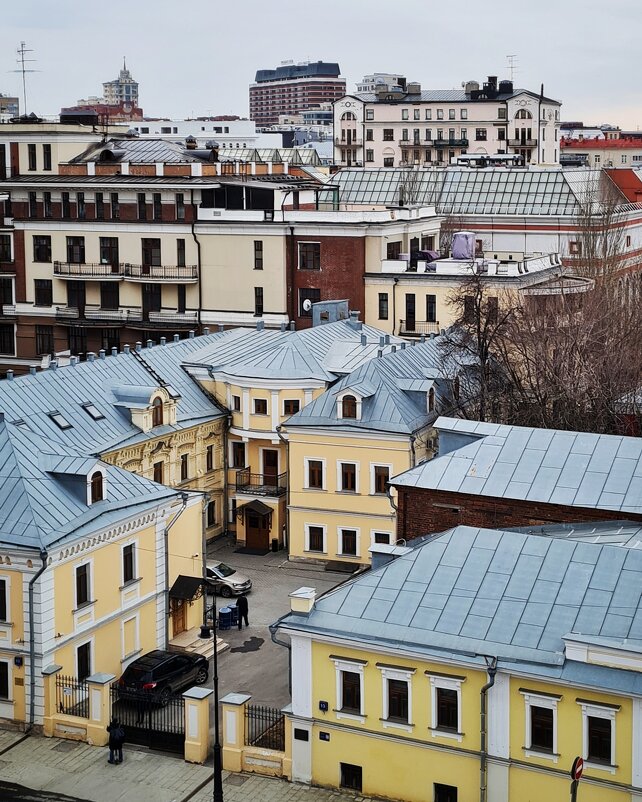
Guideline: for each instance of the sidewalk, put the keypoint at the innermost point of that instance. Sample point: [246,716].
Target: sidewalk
[81,772]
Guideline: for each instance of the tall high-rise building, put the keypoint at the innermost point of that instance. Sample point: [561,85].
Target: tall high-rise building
[123,89]
[294,88]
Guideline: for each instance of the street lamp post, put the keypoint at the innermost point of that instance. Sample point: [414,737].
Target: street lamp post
[218,763]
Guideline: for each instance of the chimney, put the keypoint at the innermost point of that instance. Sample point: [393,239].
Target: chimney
[150,343]
[177,338]
[114,351]
[139,346]
[353,320]
[33,369]
[302,600]
[126,349]
[191,334]
[282,327]
[432,335]
[101,353]
[10,375]
[206,330]
[163,341]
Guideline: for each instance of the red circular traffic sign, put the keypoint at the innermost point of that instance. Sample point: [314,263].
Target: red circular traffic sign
[578,768]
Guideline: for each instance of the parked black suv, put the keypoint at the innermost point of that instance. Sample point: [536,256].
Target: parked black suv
[163,673]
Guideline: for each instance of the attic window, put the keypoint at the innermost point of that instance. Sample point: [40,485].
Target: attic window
[93,412]
[349,406]
[431,399]
[96,487]
[157,412]
[60,421]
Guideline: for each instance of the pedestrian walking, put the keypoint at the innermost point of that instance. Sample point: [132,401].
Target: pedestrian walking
[242,607]
[116,741]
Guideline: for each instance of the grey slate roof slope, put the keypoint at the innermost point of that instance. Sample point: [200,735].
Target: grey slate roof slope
[43,491]
[106,383]
[576,469]
[470,592]
[393,390]
[140,151]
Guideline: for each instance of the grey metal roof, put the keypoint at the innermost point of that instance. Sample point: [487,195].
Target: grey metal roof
[475,591]
[447,96]
[139,150]
[576,469]
[43,491]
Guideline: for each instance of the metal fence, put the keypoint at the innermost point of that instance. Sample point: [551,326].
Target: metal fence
[150,719]
[264,727]
[72,696]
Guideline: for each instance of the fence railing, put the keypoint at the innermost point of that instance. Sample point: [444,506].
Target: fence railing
[264,727]
[72,696]
[262,484]
[419,327]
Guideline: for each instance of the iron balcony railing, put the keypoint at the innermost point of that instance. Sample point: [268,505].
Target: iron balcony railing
[261,484]
[162,272]
[522,143]
[450,143]
[418,327]
[168,316]
[95,314]
[87,270]
[344,143]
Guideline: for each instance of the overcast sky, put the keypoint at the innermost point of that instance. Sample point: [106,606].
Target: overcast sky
[197,58]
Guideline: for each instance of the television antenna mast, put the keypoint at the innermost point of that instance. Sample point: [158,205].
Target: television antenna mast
[22,61]
[512,65]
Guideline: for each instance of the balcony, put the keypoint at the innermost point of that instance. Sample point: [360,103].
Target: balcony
[152,273]
[522,143]
[261,484]
[450,143]
[96,316]
[170,318]
[87,270]
[415,328]
[344,143]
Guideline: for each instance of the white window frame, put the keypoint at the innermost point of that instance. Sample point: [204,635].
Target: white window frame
[355,668]
[450,684]
[103,473]
[284,413]
[267,406]
[340,398]
[230,455]
[404,675]
[340,489]
[306,544]
[123,546]
[374,465]
[9,698]
[598,711]
[92,656]
[340,552]
[550,703]
[306,473]
[373,532]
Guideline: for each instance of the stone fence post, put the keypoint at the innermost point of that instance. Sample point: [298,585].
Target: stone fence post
[233,710]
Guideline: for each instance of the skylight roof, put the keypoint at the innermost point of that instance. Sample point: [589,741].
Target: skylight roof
[93,411]
[60,420]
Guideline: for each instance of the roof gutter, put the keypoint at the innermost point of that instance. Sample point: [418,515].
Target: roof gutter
[44,556]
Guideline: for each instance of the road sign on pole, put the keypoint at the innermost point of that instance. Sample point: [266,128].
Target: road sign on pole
[578,768]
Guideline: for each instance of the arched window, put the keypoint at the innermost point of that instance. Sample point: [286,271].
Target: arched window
[349,406]
[157,412]
[522,114]
[431,399]
[96,487]
[348,115]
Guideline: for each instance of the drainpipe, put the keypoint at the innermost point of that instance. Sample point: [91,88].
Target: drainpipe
[32,641]
[394,304]
[286,645]
[184,498]
[491,667]
[198,259]
[413,455]
[226,467]
[287,486]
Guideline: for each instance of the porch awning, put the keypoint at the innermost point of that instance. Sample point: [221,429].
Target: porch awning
[186,588]
[257,507]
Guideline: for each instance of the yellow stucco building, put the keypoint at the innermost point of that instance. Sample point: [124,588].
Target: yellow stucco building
[475,664]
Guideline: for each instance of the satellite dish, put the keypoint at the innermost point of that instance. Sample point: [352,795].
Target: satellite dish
[307,305]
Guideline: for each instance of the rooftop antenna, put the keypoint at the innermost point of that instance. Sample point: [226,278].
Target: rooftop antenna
[22,52]
[512,65]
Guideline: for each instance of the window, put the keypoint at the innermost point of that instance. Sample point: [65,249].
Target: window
[46,157]
[431,399]
[369,155]
[351,776]
[151,253]
[7,339]
[308,294]
[184,467]
[109,295]
[108,252]
[4,680]
[388,161]
[493,309]
[315,474]
[180,206]
[480,134]
[404,135]
[41,248]
[157,206]
[258,301]
[142,206]
[47,208]
[157,412]
[33,204]
[381,475]
[158,472]
[115,206]
[598,724]
[348,477]
[416,114]
[129,564]
[211,514]
[369,135]
[451,114]
[628,241]
[348,542]
[76,250]
[82,584]
[429,114]
[5,248]
[431,308]
[66,207]
[260,406]
[258,254]
[381,537]
[236,403]
[393,250]
[469,309]
[3,601]
[463,114]
[542,726]
[180,252]
[93,412]
[209,458]
[350,701]
[397,693]
[100,206]
[6,291]
[348,406]
[404,114]
[383,306]
[388,134]
[291,406]
[316,538]
[77,339]
[96,487]
[81,209]
[541,723]
[501,113]
[501,134]
[44,340]
[181,298]
[309,256]
[575,248]
[238,455]
[444,793]
[447,709]
[83,659]
[440,114]
[31,156]
[43,292]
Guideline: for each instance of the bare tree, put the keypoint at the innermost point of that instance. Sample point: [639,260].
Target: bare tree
[447,230]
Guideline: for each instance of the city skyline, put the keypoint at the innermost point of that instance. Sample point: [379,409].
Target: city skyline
[554,49]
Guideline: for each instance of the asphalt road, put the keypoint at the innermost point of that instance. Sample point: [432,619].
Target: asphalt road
[11,792]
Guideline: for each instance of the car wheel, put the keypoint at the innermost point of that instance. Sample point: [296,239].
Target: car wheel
[225,592]
[202,676]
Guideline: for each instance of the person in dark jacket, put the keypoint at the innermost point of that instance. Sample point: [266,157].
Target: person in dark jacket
[116,741]
[242,607]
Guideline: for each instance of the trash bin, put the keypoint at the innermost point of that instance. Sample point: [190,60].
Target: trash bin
[234,610]
[275,544]
[224,618]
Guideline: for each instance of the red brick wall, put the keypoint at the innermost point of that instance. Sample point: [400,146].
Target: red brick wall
[340,276]
[424,512]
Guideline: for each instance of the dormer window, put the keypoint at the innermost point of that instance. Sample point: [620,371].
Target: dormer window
[349,407]
[431,399]
[97,487]
[157,412]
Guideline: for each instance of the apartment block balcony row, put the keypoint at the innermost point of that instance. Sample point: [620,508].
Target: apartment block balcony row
[119,271]
[134,317]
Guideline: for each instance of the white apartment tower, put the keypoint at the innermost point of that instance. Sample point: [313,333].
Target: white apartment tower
[123,89]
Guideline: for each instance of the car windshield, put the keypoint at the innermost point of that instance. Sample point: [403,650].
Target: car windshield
[224,570]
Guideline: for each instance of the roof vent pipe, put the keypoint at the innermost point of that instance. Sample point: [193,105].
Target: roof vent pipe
[163,340]
[139,346]
[387,339]
[125,349]
[150,343]
[10,375]
[206,330]
[364,340]
[91,356]
[191,334]
[422,339]
[403,346]
[260,325]
[221,327]
[73,361]
[283,325]
[443,332]
[382,340]
[432,335]
[291,325]
[33,369]
[114,351]
[394,349]
[379,353]
[101,353]
[177,337]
